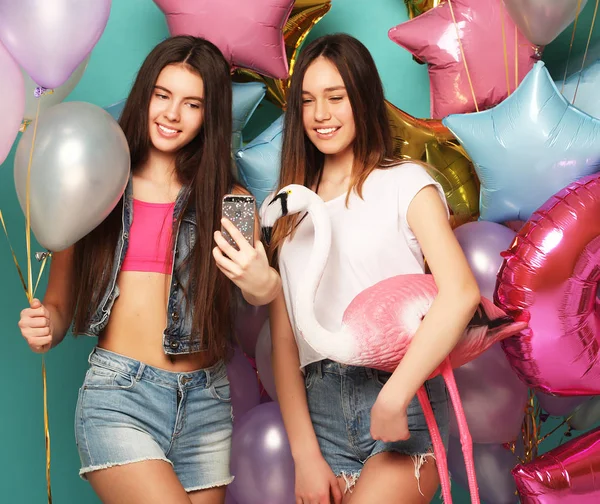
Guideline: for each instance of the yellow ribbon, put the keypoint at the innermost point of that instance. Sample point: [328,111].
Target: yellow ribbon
[562,89]
[30,290]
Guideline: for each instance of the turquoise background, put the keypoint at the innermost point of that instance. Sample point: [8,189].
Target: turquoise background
[134,27]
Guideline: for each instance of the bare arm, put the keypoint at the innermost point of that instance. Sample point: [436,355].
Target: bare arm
[453,307]
[248,267]
[289,382]
[315,481]
[45,325]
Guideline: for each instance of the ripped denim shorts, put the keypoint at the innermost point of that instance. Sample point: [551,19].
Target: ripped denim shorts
[129,412]
[340,399]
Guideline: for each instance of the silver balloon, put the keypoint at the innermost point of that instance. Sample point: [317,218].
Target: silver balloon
[79,170]
[58,94]
[541,21]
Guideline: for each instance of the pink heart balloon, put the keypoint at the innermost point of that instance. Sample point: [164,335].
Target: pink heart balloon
[51,39]
[433,37]
[12,93]
[541,21]
[248,33]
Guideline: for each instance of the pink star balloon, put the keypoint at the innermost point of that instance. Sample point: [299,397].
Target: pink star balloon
[434,38]
[248,33]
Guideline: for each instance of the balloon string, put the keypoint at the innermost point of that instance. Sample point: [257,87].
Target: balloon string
[562,89]
[504,48]
[586,50]
[462,53]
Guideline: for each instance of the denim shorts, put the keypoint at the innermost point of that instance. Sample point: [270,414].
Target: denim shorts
[340,399]
[129,412]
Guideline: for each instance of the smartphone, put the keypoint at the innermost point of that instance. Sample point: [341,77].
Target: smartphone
[239,209]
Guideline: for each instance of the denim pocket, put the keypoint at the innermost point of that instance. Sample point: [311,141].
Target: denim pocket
[310,376]
[221,391]
[98,377]
[380,377]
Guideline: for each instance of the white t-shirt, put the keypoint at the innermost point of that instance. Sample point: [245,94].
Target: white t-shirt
[371,241]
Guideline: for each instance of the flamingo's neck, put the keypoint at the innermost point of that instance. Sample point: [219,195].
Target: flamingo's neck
[336,346]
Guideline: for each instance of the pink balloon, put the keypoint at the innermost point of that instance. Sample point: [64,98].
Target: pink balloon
[550,277]
[51,39]
[568,474]
[434,38]
[12,93]
[248,33]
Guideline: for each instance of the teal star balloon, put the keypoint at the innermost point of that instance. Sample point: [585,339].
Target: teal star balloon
[528,147]
[259,162]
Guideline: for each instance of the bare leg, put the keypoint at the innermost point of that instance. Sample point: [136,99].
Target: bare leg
[463,428]
[147,482]
[209,496]
[389,478]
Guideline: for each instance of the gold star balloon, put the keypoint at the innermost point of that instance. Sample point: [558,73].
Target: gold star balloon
[305,14]
[418,7]
[430,141]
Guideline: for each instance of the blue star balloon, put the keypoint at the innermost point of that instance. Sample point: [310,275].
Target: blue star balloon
[528,147]
[246,97]
[588,90]
[259,161]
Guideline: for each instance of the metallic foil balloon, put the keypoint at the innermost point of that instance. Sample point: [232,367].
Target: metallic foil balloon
[581,89]
[249,34]
[12,94]
[541,21]
[49,99]
[249,320]
[493,463]
[457,177]
[261,460]
[528,147]
[51,39]
[428,140]
[305,14]
[246,97]
[568,474]
[79,170]
[417,7]
[434,38]
[259,161]
[587,415]
[550,277]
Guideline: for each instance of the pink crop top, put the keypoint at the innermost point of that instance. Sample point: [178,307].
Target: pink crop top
[150,248]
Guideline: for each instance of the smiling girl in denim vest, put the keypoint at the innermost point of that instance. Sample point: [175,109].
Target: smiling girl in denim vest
[357,435]
[153,420]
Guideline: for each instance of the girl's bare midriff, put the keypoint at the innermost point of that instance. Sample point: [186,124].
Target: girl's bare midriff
[138,320]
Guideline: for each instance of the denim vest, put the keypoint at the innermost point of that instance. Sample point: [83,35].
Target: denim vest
[177,336]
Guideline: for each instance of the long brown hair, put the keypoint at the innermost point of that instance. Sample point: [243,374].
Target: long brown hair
[204,165]
[301,161]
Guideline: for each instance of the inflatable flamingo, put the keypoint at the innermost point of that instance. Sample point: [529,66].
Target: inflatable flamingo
[379,323]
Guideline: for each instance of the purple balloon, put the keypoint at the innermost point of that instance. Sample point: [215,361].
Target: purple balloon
[243,381]
[12,93]
[248,323]
[482,242]
[229,497]
[493,398]
[493,463]
[263,361]
[559,406]
[51,39]
[261,460]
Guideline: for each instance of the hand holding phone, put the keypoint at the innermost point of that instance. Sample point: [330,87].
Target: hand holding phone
[240,209]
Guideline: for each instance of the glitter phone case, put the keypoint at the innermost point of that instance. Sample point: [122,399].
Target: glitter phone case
[239,209]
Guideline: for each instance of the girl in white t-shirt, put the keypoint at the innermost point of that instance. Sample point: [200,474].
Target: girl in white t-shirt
[346,421]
